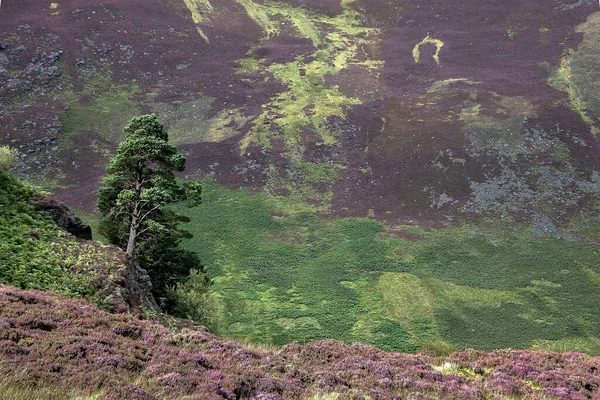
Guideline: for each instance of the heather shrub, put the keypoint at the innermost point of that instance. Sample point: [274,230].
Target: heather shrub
[72,344]
[7,158]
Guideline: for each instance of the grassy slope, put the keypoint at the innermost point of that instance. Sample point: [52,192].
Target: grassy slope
[300,277]
[36,254]
[283,274]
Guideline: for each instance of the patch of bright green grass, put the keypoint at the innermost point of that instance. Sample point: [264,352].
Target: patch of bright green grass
[103,107]
[282,274]
[308,101]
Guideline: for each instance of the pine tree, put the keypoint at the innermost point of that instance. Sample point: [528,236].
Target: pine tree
[140,182]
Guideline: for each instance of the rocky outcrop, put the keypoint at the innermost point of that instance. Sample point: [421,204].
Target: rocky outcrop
[64,217]
[138,290]
[135,289]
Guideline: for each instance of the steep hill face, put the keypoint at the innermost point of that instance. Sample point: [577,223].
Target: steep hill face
[420,173]
[418,111]
[35,253]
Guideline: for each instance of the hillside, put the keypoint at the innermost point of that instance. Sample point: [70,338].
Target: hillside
[412,174]
[53,347]
[36,254]
[67,347]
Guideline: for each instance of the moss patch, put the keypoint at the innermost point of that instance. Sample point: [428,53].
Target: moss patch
[102,107]
[308,100]
[416,53]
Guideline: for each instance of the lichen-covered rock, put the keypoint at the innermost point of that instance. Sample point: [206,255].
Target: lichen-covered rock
[64,217]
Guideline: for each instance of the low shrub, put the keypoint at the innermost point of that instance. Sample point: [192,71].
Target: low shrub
[70,343]
[7,158]
[192,300]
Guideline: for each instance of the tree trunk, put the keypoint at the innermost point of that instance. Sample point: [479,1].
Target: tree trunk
[133,232]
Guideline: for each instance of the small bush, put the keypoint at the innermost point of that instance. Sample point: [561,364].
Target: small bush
[192,299]
[7,158]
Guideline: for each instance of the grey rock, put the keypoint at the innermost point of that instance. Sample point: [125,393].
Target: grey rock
[64,217]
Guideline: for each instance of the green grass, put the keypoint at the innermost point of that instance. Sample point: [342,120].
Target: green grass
[282,274]
[13,390]
[103,107]
[36,254]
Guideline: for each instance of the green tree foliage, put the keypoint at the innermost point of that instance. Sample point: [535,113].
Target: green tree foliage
[191,299]
[139,184]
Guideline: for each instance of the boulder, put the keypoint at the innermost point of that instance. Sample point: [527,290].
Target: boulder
[64,217]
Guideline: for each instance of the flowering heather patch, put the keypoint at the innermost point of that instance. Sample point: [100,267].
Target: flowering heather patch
[46,339]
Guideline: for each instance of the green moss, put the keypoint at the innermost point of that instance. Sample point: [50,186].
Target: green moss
[249,64]
[198,9]
[416,52]
[574,74]
[262,15]
[308,101]
[316,171]
[443,85]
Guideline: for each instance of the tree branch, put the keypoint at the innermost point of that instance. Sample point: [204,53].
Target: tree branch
[151,210]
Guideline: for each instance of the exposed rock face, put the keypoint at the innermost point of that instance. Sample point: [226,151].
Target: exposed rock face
[64,217]
[139,290]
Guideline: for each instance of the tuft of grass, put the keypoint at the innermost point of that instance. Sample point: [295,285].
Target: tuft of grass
[14,390]
[324,396]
